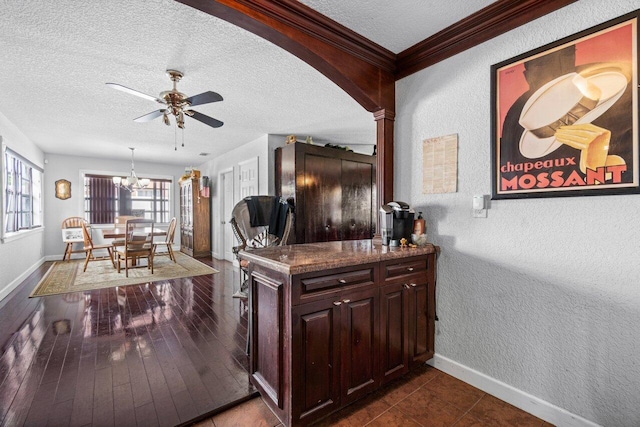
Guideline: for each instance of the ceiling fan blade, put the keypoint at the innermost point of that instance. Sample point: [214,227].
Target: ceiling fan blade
[134,92]
[204,98]
[150,116]
[210,121]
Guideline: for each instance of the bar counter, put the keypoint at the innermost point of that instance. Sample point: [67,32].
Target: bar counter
[331,322]
[310,257]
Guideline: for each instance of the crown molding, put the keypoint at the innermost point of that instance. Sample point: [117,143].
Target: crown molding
[301,17]
[494,20]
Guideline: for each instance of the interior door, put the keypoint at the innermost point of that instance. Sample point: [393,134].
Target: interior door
[248,171]
[228,202]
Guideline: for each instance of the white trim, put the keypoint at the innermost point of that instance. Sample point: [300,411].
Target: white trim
[14,284]
[6,237]
[82,172]
[218,251]
[518,398]
[17,235]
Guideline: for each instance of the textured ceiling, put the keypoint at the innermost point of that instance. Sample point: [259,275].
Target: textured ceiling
[397,25]
[57,57]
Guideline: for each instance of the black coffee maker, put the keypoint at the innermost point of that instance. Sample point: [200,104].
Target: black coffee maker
[396,222]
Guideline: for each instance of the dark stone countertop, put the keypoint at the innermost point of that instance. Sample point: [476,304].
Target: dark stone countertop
[308,257]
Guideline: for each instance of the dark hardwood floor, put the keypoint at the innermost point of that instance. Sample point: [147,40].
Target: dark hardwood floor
[159,353]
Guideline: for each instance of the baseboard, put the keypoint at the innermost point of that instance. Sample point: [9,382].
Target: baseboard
[518,398]
[16,282]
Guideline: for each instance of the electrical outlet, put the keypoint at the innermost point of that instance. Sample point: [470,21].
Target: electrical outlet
[479,213]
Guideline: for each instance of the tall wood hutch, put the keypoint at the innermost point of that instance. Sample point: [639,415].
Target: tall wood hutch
[333,191]
[195,220]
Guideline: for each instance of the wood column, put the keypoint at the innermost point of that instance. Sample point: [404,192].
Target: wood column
[384,174]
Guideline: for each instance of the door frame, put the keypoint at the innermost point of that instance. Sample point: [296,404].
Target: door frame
[220,227]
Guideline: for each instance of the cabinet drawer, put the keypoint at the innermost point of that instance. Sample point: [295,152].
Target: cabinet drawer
[312,287]
[393,270]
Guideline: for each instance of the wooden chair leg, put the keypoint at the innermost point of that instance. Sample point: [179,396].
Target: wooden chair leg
[111,257]
[67,252]
[171,255]
[86,261]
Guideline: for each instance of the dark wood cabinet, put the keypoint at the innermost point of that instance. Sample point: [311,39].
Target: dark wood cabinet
[195,220]
[323,339]
[359,338]
[333,192]
[394,331]
[407,318]
[316,361]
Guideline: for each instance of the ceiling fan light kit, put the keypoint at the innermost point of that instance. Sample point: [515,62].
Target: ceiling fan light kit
[175,103]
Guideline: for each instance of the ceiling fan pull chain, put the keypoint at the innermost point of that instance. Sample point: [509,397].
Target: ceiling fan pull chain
[175,139]
[183,137]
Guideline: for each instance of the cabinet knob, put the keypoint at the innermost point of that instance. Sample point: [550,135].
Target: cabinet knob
[337,302]
[410,269]
[406,286]
[342,281]
[327,226]
[413,285]
[346,301]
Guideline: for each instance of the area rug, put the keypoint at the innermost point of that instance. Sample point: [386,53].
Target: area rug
[67,276]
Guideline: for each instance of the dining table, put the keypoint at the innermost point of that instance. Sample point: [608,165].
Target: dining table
[120,232]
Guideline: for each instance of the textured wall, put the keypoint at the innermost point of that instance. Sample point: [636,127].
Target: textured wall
[18,256]
[257,147]
[543,294]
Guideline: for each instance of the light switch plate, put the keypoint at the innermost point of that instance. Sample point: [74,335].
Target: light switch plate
[478,202]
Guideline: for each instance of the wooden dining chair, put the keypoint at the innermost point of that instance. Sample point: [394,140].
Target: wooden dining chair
[89,248]
[120,221]
[71,222]
[168,241]
[138,245]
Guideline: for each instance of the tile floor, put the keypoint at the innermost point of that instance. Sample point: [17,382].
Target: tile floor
[426,397]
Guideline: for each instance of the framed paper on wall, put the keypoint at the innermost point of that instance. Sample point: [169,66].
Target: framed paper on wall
[565,116]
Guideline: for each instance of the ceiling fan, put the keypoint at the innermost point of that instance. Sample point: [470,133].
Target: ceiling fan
[176,103]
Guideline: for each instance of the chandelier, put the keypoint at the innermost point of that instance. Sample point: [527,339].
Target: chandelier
[131,183]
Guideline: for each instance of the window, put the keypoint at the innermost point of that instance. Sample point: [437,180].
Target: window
[22,199]
[103,201]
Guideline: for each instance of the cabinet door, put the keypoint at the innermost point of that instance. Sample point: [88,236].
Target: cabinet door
[394,331]
[359,336]
[357,200]
[267,336]
[322,198]
[420,349]
[315,360]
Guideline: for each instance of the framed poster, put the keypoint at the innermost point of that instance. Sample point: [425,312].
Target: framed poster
[565,116]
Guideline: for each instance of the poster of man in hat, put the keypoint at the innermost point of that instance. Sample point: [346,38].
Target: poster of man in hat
[566,116]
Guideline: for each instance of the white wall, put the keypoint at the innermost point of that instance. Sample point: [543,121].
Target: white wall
[69,168]
[544,294]
[263,148]
[18,258]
